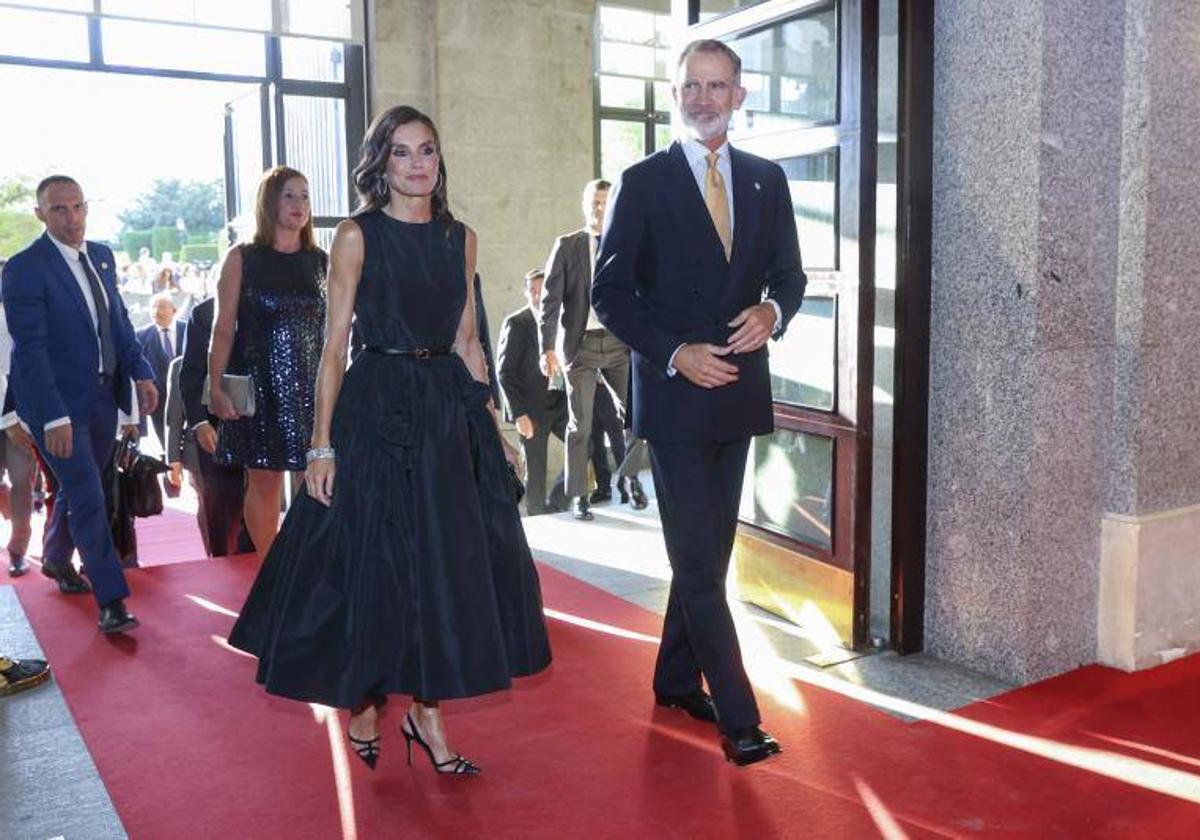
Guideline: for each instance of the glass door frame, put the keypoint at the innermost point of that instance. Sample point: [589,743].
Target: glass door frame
[913,248]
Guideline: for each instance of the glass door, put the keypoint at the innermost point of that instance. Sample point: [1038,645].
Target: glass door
[310,116]
[803,547]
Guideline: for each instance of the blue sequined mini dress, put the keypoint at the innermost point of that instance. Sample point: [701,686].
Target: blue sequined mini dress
[280,331]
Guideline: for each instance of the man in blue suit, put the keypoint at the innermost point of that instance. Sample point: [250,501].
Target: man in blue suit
[699,265]
[74,356]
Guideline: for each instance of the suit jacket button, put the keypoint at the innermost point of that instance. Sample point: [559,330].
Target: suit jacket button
[695,290]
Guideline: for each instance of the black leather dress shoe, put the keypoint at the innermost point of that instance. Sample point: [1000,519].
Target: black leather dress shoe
[580,509]
[637,494]
[114,618]
[621,482]
[601,494]
[69,581]
[17,565]
[748,745]
[697,704]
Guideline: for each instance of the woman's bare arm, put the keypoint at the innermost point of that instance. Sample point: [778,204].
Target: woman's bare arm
[345,270]
[229,290]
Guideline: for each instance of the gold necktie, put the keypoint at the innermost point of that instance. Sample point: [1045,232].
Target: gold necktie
[718,204]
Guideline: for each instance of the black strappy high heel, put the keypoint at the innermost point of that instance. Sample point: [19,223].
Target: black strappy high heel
[367,750]
[455,765]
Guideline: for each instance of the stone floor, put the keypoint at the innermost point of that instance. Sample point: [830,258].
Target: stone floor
[50,785]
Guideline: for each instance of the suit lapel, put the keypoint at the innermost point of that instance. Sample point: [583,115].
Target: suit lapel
[63,272]
[690,207]
[747,207]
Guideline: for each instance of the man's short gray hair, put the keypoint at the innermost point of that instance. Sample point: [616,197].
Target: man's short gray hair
[711,45]
[161,296]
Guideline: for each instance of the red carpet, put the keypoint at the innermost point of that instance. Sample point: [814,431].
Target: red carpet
[190,747]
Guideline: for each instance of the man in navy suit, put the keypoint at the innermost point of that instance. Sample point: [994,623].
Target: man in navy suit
[699,265]
[162,340]
[74,356]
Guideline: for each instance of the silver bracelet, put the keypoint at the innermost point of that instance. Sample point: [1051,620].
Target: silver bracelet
[318,454]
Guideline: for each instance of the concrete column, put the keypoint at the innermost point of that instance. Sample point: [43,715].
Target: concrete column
[509,83]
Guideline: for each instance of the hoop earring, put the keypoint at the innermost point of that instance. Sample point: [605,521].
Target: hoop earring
[440,183]
[381,187]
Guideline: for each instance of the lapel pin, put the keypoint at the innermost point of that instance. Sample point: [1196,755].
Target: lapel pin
[757,185]
[104,265]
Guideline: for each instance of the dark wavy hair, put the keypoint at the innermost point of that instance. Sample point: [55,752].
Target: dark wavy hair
[370,175]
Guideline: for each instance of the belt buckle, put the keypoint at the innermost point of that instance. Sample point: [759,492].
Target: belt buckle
[421,353]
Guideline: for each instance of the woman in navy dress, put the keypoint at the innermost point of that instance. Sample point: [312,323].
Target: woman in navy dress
[402,567]
[269,324]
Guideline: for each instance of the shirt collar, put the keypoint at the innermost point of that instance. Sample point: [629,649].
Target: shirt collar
[696,152]
[69,253]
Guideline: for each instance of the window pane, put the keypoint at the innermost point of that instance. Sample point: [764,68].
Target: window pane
[622,143]
[315,140]
[712,8]
[629,25]
[162,45]
[662,97]
[331,18]
[629,59]
[23,33]
[789,486]
[245,114]
[243,14]
[618,92]
[791,71]
[662,136]
[324,238]
[62,5]
[312,60]
[804,362]
[812,180]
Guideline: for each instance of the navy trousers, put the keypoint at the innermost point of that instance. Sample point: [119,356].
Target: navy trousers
[699,487]
[80,516]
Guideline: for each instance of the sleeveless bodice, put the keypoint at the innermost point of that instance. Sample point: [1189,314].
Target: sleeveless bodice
[413,284]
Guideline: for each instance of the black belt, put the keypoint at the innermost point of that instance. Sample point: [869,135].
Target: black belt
[104,378]
[416,353]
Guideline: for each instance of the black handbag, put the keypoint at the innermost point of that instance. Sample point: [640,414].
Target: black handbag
[136,478]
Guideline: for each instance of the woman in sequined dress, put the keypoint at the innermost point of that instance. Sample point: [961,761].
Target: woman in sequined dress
[402,567]
[270,324]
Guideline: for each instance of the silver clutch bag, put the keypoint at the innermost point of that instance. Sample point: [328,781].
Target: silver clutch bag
[240,390]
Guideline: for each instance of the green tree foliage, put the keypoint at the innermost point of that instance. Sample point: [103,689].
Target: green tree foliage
[18,225]
[201,205]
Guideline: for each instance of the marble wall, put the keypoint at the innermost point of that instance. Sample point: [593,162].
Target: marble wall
[1064,375]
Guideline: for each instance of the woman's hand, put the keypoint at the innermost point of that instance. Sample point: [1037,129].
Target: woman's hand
[220,404]
[318,480]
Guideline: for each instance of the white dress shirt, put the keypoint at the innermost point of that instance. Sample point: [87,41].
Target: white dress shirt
[593,323]
[11,418]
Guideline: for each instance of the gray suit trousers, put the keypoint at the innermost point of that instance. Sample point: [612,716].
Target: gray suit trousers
[602,357]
